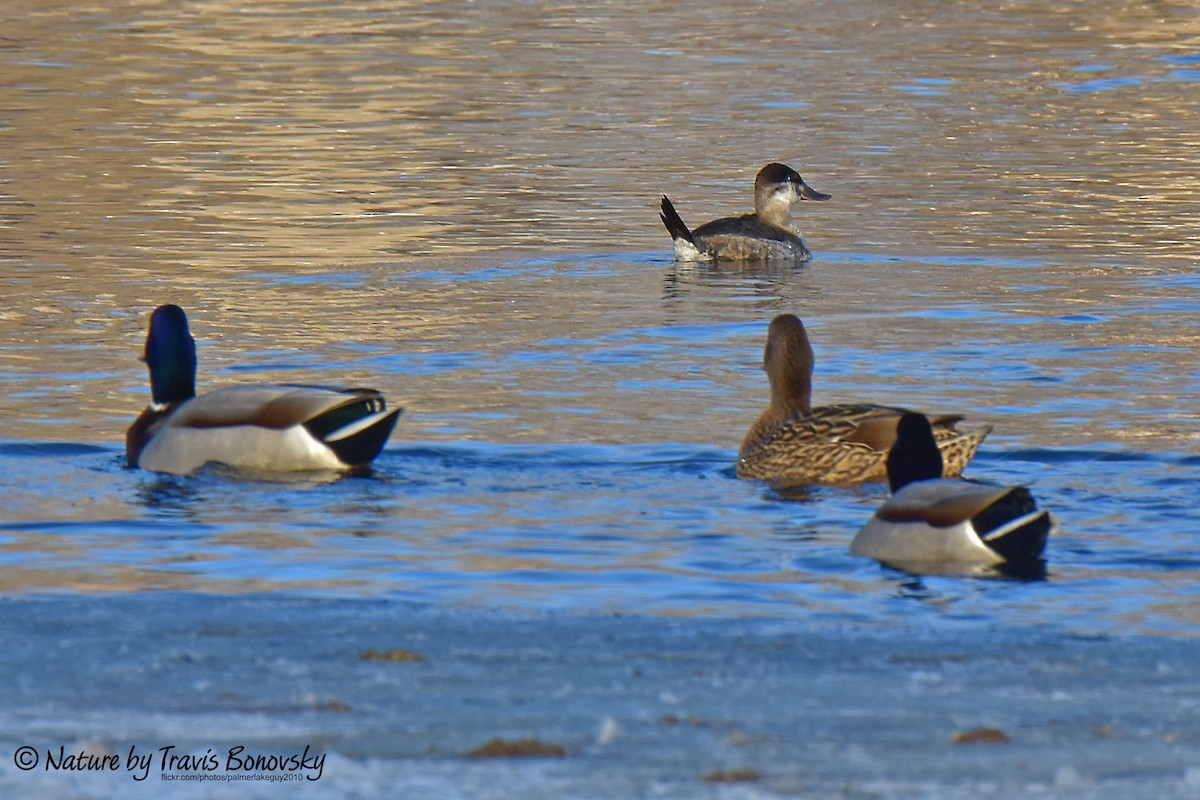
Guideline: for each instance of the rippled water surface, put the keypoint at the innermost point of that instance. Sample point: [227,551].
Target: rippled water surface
[456,203]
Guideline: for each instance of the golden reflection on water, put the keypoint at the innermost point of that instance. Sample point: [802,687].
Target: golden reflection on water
[198,152]
[211,133]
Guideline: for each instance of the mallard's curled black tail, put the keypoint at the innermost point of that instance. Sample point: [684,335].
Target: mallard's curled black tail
[1013,526]
[357,430]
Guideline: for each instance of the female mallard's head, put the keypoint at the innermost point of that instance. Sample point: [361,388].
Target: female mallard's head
[170,356]
[788,362]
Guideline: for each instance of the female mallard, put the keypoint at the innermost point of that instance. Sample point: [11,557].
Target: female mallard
[258,426]
[765,235]
[793,444]
[934,524]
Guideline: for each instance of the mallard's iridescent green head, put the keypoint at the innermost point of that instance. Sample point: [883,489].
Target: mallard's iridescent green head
[915,455]
[170,356]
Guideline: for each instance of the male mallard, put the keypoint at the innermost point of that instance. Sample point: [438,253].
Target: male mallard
[793,444]
[255,426]
[767,234]
[935,524]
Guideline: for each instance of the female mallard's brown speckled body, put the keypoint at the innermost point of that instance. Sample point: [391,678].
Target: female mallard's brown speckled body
[793,444]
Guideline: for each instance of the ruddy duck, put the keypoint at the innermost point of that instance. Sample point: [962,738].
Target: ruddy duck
[255,426]
[793,444]
[765,235]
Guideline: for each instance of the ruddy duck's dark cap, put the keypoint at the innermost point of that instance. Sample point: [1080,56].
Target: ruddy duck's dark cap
[775,172]
[779,173]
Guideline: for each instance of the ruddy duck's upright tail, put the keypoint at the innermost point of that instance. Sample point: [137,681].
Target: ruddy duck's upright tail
[674,223]
[686,248]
